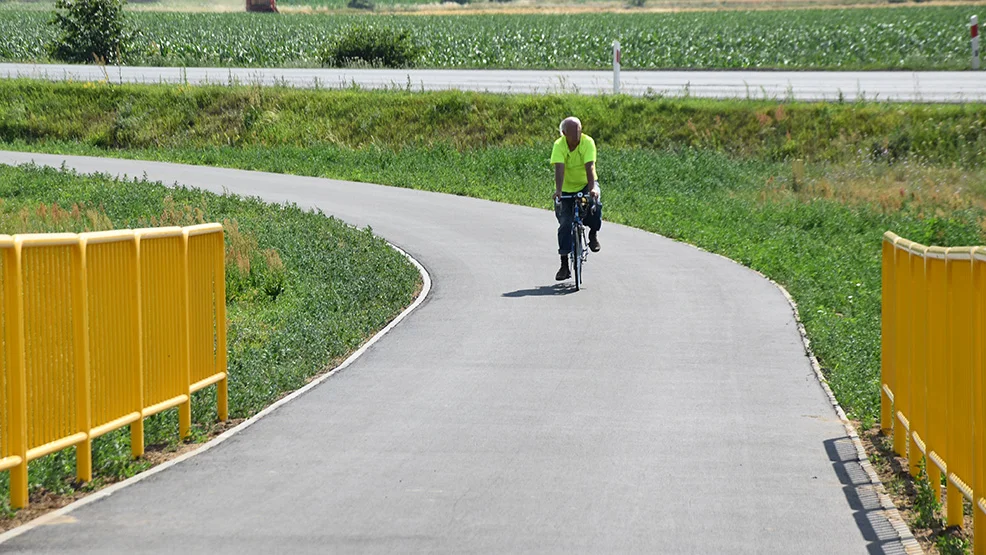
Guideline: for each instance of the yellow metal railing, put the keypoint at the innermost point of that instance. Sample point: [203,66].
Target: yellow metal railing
[933,367]
[101,330]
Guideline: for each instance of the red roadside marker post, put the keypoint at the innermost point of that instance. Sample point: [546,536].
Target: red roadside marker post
[974,29]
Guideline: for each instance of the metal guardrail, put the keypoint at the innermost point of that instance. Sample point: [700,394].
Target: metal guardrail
[933,368]
[101,330]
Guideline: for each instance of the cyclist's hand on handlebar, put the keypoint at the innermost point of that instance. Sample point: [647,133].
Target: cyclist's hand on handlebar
[594,193]
[556,197]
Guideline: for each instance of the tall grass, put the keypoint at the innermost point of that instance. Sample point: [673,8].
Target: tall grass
[133,116]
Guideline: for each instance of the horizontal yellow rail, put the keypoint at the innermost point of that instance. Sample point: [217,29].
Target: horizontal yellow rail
[101,330]
[933,368]
[10,462]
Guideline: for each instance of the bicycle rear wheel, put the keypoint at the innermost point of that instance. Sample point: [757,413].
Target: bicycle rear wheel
[577,255]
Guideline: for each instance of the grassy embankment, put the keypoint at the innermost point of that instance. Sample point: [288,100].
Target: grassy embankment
[933,37]
[297,298]
[715,174]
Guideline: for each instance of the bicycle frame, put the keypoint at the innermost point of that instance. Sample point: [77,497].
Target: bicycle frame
[580,251]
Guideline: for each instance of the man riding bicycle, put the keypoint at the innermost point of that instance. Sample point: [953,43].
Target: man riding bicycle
[574,158]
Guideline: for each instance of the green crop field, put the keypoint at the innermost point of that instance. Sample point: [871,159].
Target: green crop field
[916,38]
[454,6]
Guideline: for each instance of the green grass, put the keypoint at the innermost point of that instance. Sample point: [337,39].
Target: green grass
[167,117]
[724,184]
[918,38]
[320,308]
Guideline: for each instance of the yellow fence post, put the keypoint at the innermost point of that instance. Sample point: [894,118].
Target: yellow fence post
[978,406]
[938,366]
[137,427]
[960,435]
[80,332]
[16,402]
[902,373]
[887,333]
[185,409]
[919,359]
[222,388]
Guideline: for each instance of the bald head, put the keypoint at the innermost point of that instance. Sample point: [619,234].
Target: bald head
[571,129]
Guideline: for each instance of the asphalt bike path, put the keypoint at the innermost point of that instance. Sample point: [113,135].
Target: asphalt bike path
[901,86]
[668,407]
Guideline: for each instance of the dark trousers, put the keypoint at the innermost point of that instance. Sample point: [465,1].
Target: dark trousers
[593,219]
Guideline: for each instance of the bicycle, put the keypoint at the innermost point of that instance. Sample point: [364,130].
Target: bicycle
[580,250]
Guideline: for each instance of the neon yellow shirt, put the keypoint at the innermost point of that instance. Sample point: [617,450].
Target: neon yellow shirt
[575,161]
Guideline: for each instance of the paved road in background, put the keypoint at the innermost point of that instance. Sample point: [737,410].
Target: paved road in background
[668,407]
[931,86]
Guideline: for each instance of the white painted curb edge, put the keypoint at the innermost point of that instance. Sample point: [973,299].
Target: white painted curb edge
[110,490]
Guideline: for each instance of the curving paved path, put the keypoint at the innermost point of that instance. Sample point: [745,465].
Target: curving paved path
[668,407]
[906,86]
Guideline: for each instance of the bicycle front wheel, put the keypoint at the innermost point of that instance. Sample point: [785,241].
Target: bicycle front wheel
[577,256]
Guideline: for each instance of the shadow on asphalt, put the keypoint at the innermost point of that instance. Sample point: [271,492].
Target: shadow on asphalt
[876,529]
[543,291]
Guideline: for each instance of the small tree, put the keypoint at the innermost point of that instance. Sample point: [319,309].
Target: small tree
[366,45]
[91,31]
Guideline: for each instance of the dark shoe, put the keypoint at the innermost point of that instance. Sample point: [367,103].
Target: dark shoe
[563,272]
[593,242]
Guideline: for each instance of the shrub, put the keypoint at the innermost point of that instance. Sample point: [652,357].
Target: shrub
[372,46]
[91,31]
[361,4]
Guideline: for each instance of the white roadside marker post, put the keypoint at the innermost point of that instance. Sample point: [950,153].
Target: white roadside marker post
[974,29]
[616,67]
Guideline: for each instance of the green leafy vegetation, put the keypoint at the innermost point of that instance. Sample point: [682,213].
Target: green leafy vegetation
[926,505]
[913,38]
[91,31]
[952,544]
[372,46]
[714,174]
[303,291]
